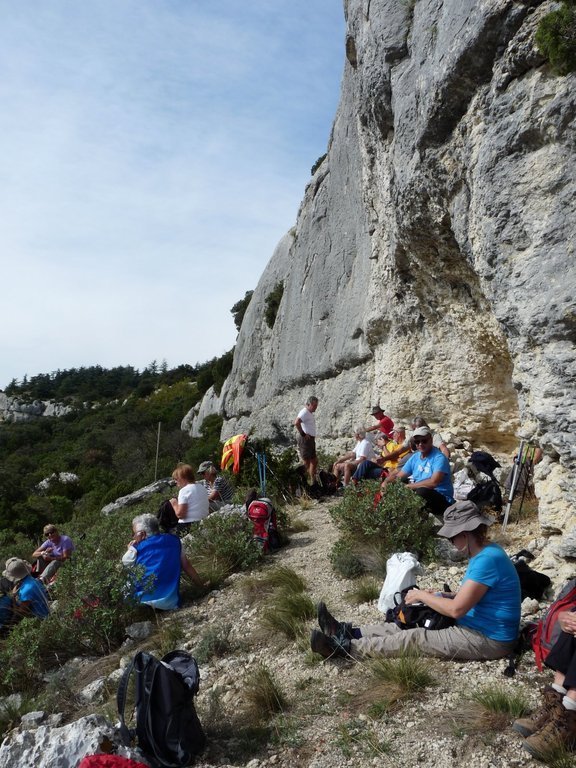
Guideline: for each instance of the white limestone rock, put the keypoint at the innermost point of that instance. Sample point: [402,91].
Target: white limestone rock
[140,495]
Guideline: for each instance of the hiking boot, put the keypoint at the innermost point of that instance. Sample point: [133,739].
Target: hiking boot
[559,732]
[331,626]
[329,647]
[551,705]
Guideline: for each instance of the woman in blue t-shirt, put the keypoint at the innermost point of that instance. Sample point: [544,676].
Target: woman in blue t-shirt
[486,608]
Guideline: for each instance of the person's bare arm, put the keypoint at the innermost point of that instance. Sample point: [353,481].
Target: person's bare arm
[469,594]
[190,571]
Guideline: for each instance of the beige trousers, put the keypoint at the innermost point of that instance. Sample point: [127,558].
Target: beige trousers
[452,643]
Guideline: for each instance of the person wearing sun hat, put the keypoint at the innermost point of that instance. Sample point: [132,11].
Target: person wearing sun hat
[30,596]
[486,607]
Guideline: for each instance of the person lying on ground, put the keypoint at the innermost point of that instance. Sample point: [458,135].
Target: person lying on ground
[162,559]
[486,608]
[28,595]
[347,463]
[220,491]
[385,423]
[553,724]
[383,465]
[192,502]
[427,473]
[52,553]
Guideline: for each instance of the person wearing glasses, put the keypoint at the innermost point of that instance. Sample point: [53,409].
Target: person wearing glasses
[486,607]
[52,553]
[427,473]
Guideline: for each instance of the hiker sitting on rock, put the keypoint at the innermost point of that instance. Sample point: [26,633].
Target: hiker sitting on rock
[220,491]
[427,473]
[486,608]
[162,559]
[192,502]
[28,596]
[385,423]
[347,463]
[52,553]
[383,465]
[553,725]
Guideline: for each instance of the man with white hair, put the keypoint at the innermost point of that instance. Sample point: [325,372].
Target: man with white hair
[162,558]
[347,463]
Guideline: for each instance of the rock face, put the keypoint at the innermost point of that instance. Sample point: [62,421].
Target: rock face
[431,264]
[12,409]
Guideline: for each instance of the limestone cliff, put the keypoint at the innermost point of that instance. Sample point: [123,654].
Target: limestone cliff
[431,265]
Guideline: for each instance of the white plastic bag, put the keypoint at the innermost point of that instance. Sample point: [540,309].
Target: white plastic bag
[401,571]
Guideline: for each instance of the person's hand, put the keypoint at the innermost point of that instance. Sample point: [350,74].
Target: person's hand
[415,596]
[567,621]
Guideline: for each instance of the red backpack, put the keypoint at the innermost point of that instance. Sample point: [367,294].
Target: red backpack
[109,761]
[263,517]
[547,629]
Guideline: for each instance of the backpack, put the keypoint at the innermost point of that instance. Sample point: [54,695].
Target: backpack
[168,730]
[265,530]
[548,630]
[167,519]
[532,583]
[418,615]
[487,495]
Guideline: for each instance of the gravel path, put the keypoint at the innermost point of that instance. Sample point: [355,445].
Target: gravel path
[324,723]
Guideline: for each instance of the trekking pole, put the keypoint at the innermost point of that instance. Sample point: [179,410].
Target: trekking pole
[262,472]
[513,484]
[157,452]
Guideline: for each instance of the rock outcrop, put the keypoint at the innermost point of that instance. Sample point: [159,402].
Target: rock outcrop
[12,409]
[431,264]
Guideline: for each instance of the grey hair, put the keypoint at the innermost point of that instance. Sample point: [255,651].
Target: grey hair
[360,431]
[311,399]
[147,523]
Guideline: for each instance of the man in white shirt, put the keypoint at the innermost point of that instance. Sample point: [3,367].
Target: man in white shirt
[347,463]
[306,425]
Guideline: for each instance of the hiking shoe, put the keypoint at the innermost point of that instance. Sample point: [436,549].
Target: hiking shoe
[559,732]
[551,704]
[328,647]
[331,626]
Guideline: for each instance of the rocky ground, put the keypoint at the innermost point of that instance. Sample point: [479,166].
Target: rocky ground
[327,719]
[326,722]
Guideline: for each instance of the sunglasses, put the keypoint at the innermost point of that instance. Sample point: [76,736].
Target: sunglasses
[421,440]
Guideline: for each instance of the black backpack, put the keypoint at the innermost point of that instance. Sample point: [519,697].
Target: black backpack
[168,730]
[487,494]
[417,615]
[167,519]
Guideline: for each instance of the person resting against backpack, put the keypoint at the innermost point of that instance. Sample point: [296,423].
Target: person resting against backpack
[486,607]
[28,596]
[554,723]
[162,559]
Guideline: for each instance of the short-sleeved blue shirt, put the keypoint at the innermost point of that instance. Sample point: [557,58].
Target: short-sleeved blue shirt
[33,591]
[423,468]
[497,614]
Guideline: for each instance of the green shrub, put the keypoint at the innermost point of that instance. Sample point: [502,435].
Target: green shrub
[556,38]
[272,304]
[396,522]
[345,561]
[224,543]
[214,643]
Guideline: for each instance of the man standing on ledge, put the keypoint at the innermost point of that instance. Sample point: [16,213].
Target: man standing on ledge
[306,425]
[427,473]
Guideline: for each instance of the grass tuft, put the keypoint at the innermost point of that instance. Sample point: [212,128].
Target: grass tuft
[365,591]
[395,680]
[286,613]
[490,709]
[283,578]
[264,696]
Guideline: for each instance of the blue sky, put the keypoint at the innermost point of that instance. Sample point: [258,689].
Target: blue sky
[152,155]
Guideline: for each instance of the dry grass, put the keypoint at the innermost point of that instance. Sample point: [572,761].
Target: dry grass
[365,591]
[392,681]
[282,578]
[263,695]
[490,709]
[287,612]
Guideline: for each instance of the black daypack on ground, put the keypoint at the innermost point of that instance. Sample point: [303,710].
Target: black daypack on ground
[168,730]
[418,615]
[487,494]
